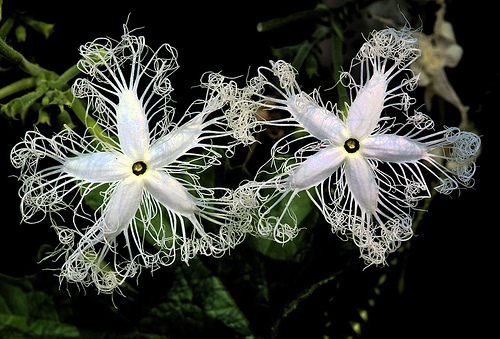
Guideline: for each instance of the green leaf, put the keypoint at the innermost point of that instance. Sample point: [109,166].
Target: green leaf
[291,251]
[40,26]
[198,302]
[19,106]
[64,119]
[20,32]
[286,52]
[307,215]
[26,312]
[337,60]
[43,117]
[94,198]
[312,66]
[302,53]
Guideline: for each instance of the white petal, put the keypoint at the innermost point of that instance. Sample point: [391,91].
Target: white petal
[317,120]
[453,54]
[317,168]
[132,125]
[173,145]
[170,193]
[99,167]
[361,182]
[366,108]
[392,148]
[122,205]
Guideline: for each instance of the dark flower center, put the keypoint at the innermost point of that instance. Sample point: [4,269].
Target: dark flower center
[139,168]
[351,145]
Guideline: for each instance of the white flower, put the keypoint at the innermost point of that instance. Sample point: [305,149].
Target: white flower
[147,175]
[440,50]
[364,171]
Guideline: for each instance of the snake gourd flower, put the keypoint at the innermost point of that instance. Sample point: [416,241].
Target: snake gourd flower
[364,170]
[146,170]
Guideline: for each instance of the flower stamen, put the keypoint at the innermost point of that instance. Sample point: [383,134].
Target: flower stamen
[139,168]
[351,145]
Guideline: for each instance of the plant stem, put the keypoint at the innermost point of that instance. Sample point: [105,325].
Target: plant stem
[6,27]
[58,82]
[62,80]
[337,39]
[88,121]
[318,12]
[17,58]
[77,105]
[17,86]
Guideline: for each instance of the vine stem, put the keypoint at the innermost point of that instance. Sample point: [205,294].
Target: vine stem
[58,82]
[17,58]
[78,107]
[88,121]
[63,79]
[17,86]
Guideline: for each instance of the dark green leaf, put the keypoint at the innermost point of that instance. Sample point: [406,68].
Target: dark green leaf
[286,53]
[26,312]
[43,117]
[40,26]
[302,53]
[198,302]
[94,198]
[306,215]
[20,32]
[312,66]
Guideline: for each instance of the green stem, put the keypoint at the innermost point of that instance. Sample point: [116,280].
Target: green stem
[77,105]
[293,305]
[292,18]
[62,80]
[88,121]
[321,10]
[6,27]
[17,86]
[337,42]
[17,58]
[61,83]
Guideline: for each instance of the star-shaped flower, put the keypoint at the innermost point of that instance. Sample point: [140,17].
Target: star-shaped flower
[147,175]
[363,170]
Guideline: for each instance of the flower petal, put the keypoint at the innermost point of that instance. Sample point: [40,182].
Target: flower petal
[132,125]
[316,119]
[170,192]
[98,167]
[317,168]
[173,145]
[392,148]
[366,108]
[361,182]
[453,55]
[122,205]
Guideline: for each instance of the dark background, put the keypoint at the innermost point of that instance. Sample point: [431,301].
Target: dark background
[450,285]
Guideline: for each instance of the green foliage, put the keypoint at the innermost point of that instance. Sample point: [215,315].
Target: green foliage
[306,215]
[197,302]
[47,92]
[41,27]
[20,33]
[305,54]
[243,295]
[94,198]
[28,312]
